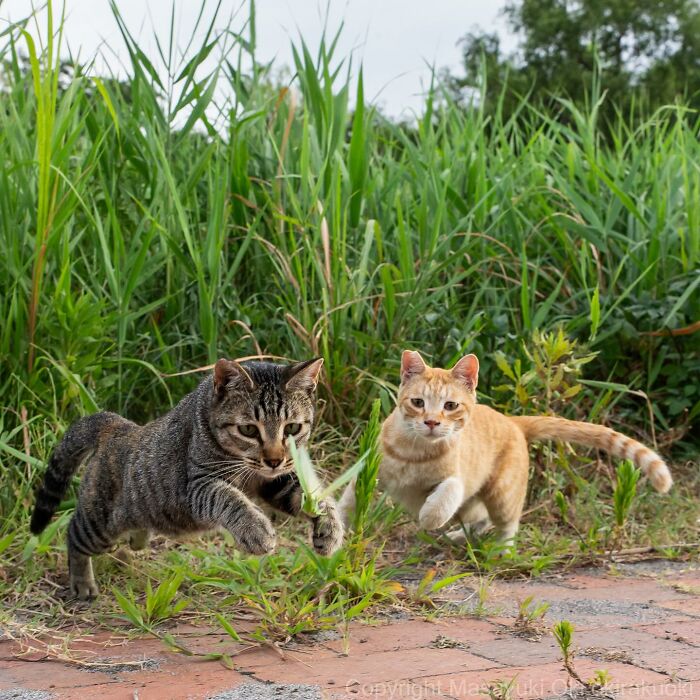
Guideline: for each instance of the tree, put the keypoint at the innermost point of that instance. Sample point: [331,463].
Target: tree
[645,51]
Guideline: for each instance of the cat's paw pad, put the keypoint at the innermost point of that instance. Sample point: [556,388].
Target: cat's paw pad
[432,516]
[84,589]
[328,530]
[256,535]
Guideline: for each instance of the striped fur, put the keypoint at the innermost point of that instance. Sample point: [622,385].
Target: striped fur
[616,444]
[200,466]
[80,439]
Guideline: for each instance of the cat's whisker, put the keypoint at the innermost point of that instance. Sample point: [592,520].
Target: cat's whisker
[223,473]
[220,461]
[231,471]
[248,477]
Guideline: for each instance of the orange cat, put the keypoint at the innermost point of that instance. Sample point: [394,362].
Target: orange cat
[446,458]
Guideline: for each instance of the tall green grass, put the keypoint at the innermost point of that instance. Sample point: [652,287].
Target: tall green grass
[151,224]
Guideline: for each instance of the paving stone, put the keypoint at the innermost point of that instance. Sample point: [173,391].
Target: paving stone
[621,601]
[633,591]
[413,634]
[510,650]
[587,582]
[587,613]
[685,583]
[534,681]
[363,639]
[682,691]
[376,667]
[46,676]
[686,632]
[644,650]
[653,568]
[641,630]
[688,606]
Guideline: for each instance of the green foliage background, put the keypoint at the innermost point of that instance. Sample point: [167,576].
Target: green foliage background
[150,225]
[646,54]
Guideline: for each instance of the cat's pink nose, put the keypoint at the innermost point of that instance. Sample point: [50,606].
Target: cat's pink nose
[431,423]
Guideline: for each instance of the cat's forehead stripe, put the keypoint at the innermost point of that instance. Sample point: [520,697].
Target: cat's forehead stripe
[437,387]
[271,400]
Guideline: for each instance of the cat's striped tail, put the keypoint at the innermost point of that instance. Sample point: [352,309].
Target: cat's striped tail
[78,442]
[617,444]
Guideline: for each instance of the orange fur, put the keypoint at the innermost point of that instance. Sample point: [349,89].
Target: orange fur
[448,459]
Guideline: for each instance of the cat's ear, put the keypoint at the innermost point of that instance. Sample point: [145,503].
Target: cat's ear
[411,364]
[303,375]
[226,372]
[467,371]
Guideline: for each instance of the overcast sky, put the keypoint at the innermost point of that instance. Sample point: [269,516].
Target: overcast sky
[394,39]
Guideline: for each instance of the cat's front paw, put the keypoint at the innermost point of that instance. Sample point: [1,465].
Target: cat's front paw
[433,515]
[328,530]
[255,534]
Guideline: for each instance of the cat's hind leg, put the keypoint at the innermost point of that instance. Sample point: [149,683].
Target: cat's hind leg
[82,579]
[86,537]
[504,494]
[474,519]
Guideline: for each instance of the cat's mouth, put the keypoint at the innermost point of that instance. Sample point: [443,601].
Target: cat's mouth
[269,472]
[432,435]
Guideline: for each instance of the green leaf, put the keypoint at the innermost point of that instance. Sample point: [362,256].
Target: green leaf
[228,627]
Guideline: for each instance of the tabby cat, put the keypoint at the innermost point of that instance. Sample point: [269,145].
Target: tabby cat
[448,459]
[193,469]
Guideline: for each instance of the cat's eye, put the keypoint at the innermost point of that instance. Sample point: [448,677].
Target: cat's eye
[248,430]
[451,405]
[418,403]
[292,429]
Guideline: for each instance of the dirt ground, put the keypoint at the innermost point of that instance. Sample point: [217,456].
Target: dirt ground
[641,625]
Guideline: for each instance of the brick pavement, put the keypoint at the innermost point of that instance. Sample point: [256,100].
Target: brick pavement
[642,627]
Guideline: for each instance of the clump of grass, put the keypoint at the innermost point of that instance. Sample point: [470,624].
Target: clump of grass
[529,620]
[625,491]
[366,480]
[500,689]
[563,632]
[158,604]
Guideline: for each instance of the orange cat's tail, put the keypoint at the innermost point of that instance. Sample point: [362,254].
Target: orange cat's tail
[544,428]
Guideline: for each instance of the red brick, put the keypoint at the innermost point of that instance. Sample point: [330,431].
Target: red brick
[586,582]
[160,688]
[413,634]
[377,667]
[644,650]
[510,650]
[362,639]
[686,632]
[688,605]
[682,691]
[656,626]
[534,681]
